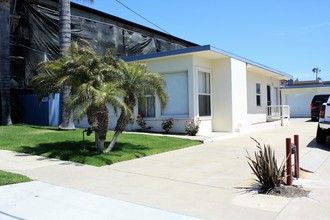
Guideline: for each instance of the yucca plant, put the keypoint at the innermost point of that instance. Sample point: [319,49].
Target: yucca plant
[264,166]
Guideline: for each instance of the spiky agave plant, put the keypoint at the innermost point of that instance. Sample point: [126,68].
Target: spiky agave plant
[264,166]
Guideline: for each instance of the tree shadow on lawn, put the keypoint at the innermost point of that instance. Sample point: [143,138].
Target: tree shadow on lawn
[38,127]
[86,153]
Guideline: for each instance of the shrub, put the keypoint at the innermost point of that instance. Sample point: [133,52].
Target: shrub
[141,122]
[167,124]
[264,166]
[192,127]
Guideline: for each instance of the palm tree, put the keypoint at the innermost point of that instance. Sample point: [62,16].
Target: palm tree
[316,71]
[5,62]
[65,43]
[92,81]
[136,80]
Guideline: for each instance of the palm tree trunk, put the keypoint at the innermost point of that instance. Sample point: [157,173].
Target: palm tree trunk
[5,62]
[113,141]
[65,43]
[65,25]
[99,142]
[98,118]
[67,116]
[121,125]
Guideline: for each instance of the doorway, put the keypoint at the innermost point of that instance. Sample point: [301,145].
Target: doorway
[269,100]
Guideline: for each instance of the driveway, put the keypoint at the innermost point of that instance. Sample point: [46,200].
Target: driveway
[205,181]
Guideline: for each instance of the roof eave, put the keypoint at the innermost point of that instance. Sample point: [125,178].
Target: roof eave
[167,53]
[203,48]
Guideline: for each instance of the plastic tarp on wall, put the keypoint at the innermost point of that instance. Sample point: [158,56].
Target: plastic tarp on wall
[35,38]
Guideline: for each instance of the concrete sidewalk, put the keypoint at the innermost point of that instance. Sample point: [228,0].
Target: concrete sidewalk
[205,181]
[37,200]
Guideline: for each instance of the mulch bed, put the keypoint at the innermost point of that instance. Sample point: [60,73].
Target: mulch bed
[289,191]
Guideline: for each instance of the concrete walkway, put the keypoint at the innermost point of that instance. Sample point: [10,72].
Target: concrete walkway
[206,181]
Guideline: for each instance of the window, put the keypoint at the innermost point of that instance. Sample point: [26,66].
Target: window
[177,90]
[258,94]
[204,94]
[147,108]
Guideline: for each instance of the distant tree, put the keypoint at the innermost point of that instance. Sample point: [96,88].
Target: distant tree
[316,70]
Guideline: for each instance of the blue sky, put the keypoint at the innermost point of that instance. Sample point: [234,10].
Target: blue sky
[292,36]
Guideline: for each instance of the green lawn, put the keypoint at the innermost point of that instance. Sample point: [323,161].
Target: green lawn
[7,178]
[69,145]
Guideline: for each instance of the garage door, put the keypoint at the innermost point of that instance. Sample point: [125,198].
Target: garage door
[299,105]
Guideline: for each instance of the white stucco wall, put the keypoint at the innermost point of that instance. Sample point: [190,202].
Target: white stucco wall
[299,99]
[174,65]
[239,94]
[163,65]
[221,96]
[233,94]
[229,95]
[203,65]
[257,114]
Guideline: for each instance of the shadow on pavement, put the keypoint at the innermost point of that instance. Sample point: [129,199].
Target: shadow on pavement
[310,120]
[325,146]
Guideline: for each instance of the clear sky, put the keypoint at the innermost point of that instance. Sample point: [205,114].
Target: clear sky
[292,36]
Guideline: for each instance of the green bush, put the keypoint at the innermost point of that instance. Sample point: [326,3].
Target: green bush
[264,166]
[192,127]
[167,124]
[141,122]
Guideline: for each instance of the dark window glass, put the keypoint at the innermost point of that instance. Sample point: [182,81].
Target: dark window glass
[204,105]
[204,94]
[258,94]
[148,111]
[258,100]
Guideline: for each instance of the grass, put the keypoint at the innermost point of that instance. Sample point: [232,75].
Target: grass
[7,178]
[69,145]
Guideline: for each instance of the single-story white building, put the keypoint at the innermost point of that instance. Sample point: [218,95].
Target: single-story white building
[227,93]
[299,94]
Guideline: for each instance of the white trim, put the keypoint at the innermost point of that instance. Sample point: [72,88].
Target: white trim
[208,71]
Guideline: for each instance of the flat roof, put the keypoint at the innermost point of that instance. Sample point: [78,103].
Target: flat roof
[305,86]
[214,52]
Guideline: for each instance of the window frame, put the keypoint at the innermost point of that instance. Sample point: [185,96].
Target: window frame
[176,115]
[258,94]
[144,111]
[204,93]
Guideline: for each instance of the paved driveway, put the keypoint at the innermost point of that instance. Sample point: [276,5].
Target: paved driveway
[204,181]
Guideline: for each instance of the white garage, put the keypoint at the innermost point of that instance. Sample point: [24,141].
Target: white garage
[299,95]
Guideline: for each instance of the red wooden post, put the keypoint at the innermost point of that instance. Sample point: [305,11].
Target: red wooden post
[296,156]
[288,162]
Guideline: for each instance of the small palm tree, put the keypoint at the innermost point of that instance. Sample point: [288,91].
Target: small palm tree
[135,81]
[92,80]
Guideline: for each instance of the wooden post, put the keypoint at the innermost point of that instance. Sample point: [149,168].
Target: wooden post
[288,162]
[296,156]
